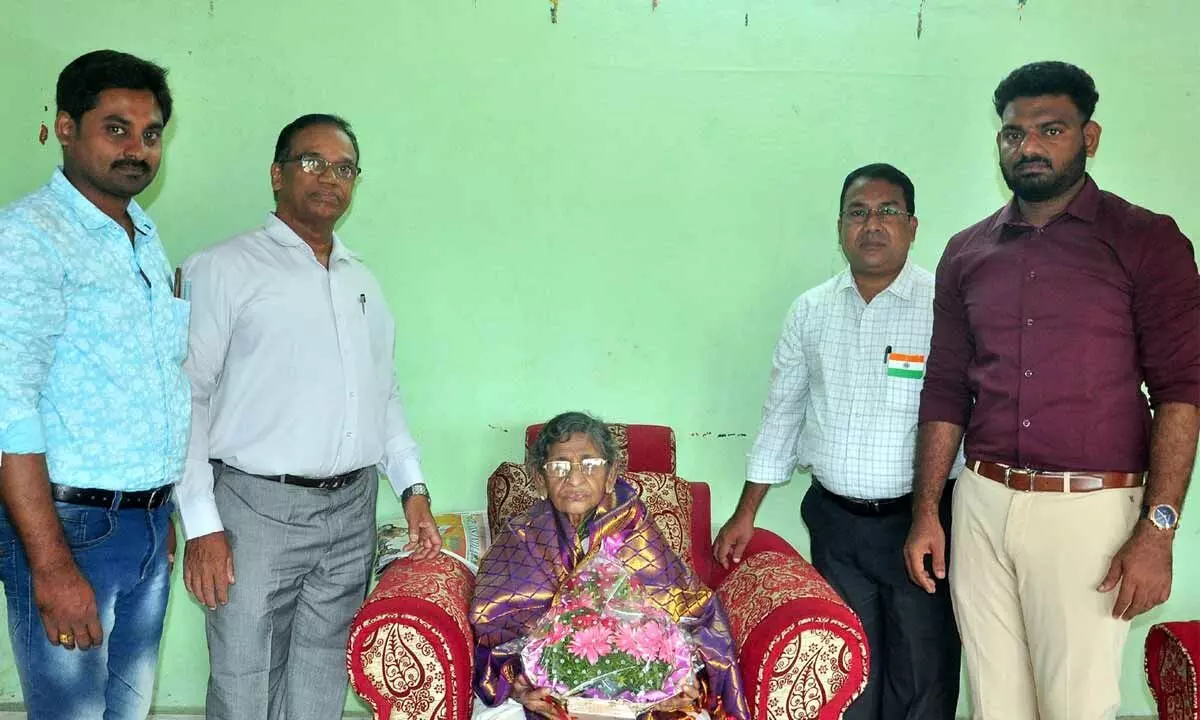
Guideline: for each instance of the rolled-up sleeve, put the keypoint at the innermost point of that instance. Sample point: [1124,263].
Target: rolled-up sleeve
[32,317]
[1166,313]
[946,393]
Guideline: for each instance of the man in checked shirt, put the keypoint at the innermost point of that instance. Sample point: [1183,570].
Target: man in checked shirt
[843,400]
[1049,316]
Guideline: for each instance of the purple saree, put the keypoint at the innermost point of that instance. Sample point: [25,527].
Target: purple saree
[529,561]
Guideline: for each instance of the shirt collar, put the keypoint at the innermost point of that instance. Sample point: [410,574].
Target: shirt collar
[901,287]
[92,217]
[283,234]
[1084,207]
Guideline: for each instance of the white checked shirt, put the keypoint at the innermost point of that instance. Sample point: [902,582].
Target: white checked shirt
[291,368]
[833,405]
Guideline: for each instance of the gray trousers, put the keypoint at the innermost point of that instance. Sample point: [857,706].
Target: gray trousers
[302,560]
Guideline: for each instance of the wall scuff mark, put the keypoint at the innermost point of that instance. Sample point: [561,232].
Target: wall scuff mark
[921,19]
[43,133]
[554,11]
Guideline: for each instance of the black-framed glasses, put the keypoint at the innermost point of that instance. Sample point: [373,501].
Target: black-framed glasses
[559,469]
[859,216]
[317,165]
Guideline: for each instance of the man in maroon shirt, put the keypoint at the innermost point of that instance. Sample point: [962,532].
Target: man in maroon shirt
[1048,318]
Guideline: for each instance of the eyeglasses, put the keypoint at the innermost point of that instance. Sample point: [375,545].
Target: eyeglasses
[559,469]
[859,216]
[317,165]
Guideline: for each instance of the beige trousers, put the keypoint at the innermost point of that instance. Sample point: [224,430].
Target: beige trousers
[1040,642]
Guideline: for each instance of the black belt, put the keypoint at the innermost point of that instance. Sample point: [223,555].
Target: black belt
[142,499]
[867,508]
[327,483]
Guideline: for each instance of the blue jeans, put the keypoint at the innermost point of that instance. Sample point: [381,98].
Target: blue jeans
[123,554]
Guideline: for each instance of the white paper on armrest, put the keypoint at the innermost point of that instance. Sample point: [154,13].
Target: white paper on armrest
[508,710]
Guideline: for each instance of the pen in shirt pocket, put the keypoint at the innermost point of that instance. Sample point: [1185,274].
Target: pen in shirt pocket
[887,353]
[182,289]
[362,302]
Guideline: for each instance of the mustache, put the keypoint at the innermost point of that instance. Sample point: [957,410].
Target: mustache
[135,164]
[1032,160]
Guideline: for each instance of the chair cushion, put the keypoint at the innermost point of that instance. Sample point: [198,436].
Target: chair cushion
[667,497]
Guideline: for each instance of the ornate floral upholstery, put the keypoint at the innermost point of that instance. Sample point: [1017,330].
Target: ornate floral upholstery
[1172,654]
[802,651]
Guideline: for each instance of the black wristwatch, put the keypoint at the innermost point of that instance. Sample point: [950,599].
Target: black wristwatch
[417,489]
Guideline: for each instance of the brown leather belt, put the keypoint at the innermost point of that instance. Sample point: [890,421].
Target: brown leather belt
[1030,480]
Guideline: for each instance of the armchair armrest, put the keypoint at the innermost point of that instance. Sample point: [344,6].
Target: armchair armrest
[1172,656]
[761,541]
[802,650]
[409,653]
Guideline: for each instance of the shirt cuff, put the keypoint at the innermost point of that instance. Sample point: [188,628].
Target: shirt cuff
[403,472]
[767,473]
[935,408]
[197,503]
[24,437]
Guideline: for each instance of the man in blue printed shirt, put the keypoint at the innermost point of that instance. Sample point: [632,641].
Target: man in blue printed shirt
[94,406]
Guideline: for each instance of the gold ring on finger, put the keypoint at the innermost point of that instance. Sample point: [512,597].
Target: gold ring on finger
[66,638]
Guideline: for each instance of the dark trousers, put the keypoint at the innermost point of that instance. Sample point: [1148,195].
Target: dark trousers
[915,650]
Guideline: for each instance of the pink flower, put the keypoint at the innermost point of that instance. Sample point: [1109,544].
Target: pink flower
[652,642]
[558,632]
[626,639]
[572,602]
[592,643]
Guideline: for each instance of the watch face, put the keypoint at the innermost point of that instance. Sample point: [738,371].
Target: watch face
[1163,516]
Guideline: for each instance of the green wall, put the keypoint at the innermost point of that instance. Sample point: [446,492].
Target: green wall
[612,213]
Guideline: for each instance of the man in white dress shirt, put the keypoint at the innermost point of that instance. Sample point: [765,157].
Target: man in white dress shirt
[294,408]
[843,400]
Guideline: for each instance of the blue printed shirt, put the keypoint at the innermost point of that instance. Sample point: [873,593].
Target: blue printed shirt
[92,344]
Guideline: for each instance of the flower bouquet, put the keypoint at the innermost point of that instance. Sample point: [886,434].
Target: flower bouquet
[603,649]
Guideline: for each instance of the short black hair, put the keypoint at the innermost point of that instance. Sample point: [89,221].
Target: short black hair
[1050,77]
[283,146]
[85,77]
[887,173]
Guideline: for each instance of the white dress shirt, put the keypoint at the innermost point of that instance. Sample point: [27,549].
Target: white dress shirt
[833,405]
[291,367]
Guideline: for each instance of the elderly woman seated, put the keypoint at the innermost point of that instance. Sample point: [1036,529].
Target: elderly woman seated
[585,503]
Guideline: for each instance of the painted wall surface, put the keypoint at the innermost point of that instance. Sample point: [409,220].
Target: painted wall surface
[614,212]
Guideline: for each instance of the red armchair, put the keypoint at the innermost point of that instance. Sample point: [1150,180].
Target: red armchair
[802,651]
[1172,654]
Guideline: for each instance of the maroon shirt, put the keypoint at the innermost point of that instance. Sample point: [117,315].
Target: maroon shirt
[1042,337]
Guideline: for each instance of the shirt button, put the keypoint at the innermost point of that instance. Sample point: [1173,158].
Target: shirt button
[350,434]
[1028,374]
[353,395]
[1028,322]
[1025,423]
[1032,275]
